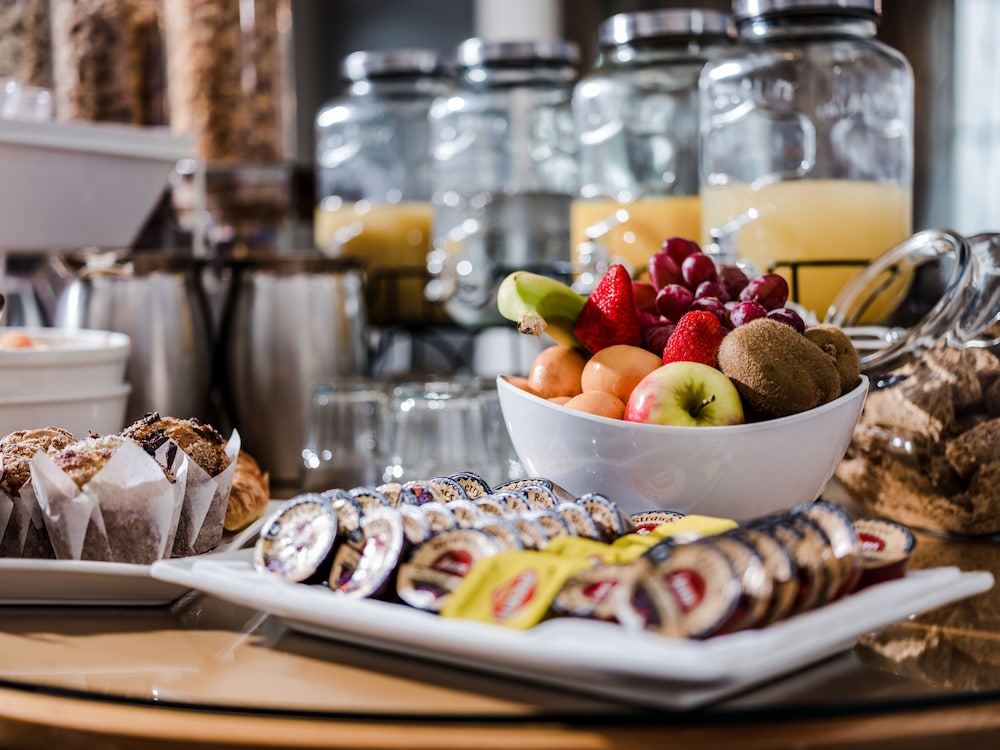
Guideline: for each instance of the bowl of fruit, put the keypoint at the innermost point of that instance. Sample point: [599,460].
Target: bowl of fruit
[720,401]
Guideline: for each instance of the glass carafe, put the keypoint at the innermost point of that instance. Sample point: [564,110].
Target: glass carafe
[636,116]
[372,172]
[807,143]
[504,172]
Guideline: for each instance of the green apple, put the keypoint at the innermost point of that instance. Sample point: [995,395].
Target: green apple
[685,394]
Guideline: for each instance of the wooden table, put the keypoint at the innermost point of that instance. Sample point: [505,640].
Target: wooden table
[206,673]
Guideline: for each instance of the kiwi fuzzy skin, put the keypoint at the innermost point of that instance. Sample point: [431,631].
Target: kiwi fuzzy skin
[777,370]
[838,345]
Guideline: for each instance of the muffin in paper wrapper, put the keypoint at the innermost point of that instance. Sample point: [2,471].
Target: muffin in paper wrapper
[22,531]
[6,516]
[205,500]
[128,512]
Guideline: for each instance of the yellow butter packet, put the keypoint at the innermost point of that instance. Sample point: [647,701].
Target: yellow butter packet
[579,546]
[514,589]
[630,546]
[692,527]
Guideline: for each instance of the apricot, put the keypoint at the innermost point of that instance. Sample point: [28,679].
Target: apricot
[519,382]
[618,369]
[556,372]
[599,403]
[560,400]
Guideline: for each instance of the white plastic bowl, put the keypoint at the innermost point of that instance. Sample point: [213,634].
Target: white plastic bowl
[739,472]
[100,411]
[64,362]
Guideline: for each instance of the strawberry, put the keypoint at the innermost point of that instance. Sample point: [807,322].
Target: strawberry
[609,316]
[695,339]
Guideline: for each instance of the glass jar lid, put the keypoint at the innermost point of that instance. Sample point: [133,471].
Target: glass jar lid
[936,286]
[623,28]
[748,10]
[363,64]
[475,52]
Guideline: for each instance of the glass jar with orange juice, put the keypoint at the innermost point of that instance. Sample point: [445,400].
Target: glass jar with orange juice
[806,144]
[636,118]
[372,176]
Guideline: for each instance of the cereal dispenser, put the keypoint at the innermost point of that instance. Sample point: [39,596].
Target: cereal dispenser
[807,143]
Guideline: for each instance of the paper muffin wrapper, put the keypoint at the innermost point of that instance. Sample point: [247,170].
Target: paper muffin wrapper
[17,514]
[6,513]
[206,498]
[22,530]
[128,511]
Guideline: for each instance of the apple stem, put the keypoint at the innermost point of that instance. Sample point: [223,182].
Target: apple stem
[703,404]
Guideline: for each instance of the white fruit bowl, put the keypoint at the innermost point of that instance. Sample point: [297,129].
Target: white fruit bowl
[739,472]
[63,362]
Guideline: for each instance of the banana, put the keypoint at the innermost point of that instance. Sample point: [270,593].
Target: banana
[540,304]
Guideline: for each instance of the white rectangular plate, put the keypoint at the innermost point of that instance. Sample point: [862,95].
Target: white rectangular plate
[91,583]
[582,655]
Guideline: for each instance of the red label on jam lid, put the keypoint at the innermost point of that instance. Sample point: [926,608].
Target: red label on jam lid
[598,590]
[870,542]
[688,588]
[456,561]
[510,598]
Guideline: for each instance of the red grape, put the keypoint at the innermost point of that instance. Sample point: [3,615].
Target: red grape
[673,301]
[654,338]
[644,296]
[697,268]
[734,279]
[663,270]
[769,289]
[712,305]
[678,248]
[788,317]
[712,289]
[647,319]
[744,312]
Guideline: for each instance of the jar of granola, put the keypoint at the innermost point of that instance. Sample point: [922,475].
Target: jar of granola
[926,451]
[225,64]
[106,61]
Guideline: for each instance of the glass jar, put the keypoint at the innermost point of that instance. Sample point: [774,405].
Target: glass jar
[107,64]
[636,116]
[372,173]
[926,451]
[226,70]
[807,144]
[25,42]
[503,172]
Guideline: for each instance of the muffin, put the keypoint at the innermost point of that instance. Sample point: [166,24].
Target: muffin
[16,450]
[82,459]
[120,504]
[211,465]
[201,442]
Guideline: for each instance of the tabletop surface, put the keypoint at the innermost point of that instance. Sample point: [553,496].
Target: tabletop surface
[211,657]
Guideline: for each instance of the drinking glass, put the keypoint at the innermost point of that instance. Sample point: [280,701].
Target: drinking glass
[345,441]
[438,428]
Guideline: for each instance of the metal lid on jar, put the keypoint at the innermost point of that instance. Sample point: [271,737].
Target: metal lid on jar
[372,63]
[623,28]
[475,51]
[746,10]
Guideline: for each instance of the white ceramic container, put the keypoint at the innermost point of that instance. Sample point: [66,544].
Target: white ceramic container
[100,411]
[62,362]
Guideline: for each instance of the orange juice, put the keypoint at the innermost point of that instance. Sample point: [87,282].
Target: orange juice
[649,222]
[812,220]
[393,239]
